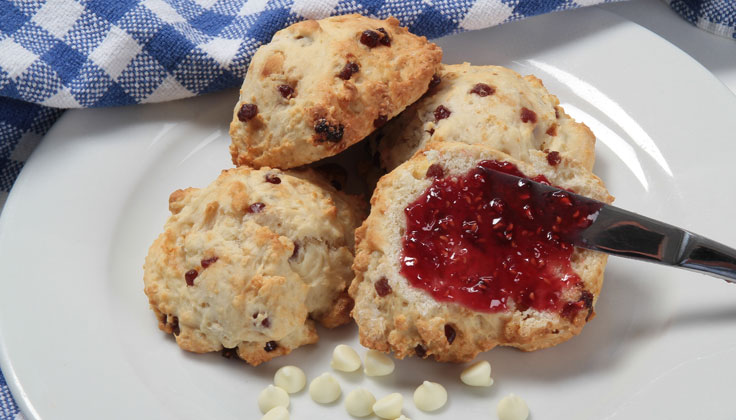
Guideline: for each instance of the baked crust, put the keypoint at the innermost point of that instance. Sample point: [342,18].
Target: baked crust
[492,115]
[409,317]
[326,113]
[265,252]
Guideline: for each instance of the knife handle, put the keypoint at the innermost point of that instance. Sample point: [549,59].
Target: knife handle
[620,232]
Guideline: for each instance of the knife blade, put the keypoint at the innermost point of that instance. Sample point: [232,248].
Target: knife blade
[623,233]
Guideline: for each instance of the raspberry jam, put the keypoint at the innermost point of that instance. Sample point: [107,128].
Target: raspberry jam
[488,244]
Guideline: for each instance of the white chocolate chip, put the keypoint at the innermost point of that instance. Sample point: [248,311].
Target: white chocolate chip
[389,407]
[271,397]
[430,396]
[324,389]
[276,413]
[512,407]
[477,374]
[377,364]
[359,402]
[290,378]
[345,358]
[402,417]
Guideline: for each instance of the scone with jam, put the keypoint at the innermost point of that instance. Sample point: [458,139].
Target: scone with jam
[450,262]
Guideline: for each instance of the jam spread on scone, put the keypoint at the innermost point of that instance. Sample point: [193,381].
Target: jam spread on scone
[484,243]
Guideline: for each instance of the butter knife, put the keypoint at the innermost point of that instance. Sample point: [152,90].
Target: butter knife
[619,232]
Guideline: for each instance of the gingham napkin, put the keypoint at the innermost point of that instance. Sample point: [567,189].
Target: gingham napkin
[90,53]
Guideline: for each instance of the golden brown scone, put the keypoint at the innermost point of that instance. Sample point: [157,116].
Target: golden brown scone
[489,105]
[321,86]
[394,315]
[248,261]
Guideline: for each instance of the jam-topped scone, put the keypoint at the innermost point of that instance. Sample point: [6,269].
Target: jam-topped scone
[451,262]
[321,86]
[486,105]
[248,262]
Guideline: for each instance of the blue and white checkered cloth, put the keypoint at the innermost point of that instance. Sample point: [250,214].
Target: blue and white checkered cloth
[57,54]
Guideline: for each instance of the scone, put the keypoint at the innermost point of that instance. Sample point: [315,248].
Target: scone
[321,86]
[446,267]
[249,261]
[487,105]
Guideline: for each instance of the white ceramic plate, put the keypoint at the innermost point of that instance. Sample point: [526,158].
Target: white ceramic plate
[78,340]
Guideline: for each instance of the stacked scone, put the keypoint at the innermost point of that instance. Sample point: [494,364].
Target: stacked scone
[248,263]
[444,267]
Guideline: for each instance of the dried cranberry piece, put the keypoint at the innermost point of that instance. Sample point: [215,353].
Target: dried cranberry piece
[421,351]
[286,91]
[208,261]
[380,121]
[175,326]
[370,38]
[266,323]
[327,132]
[435,171]
[571,309]
[229,353]
[482,89]
[270,346]
[382,287]
[436,80]
[430,131]
[553,158]
[190,275]
[587,298]
[257,207]
[385,39]
[441,112]
[273,179]
[449,333]
[247,112]
[349,70]
[527,115]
